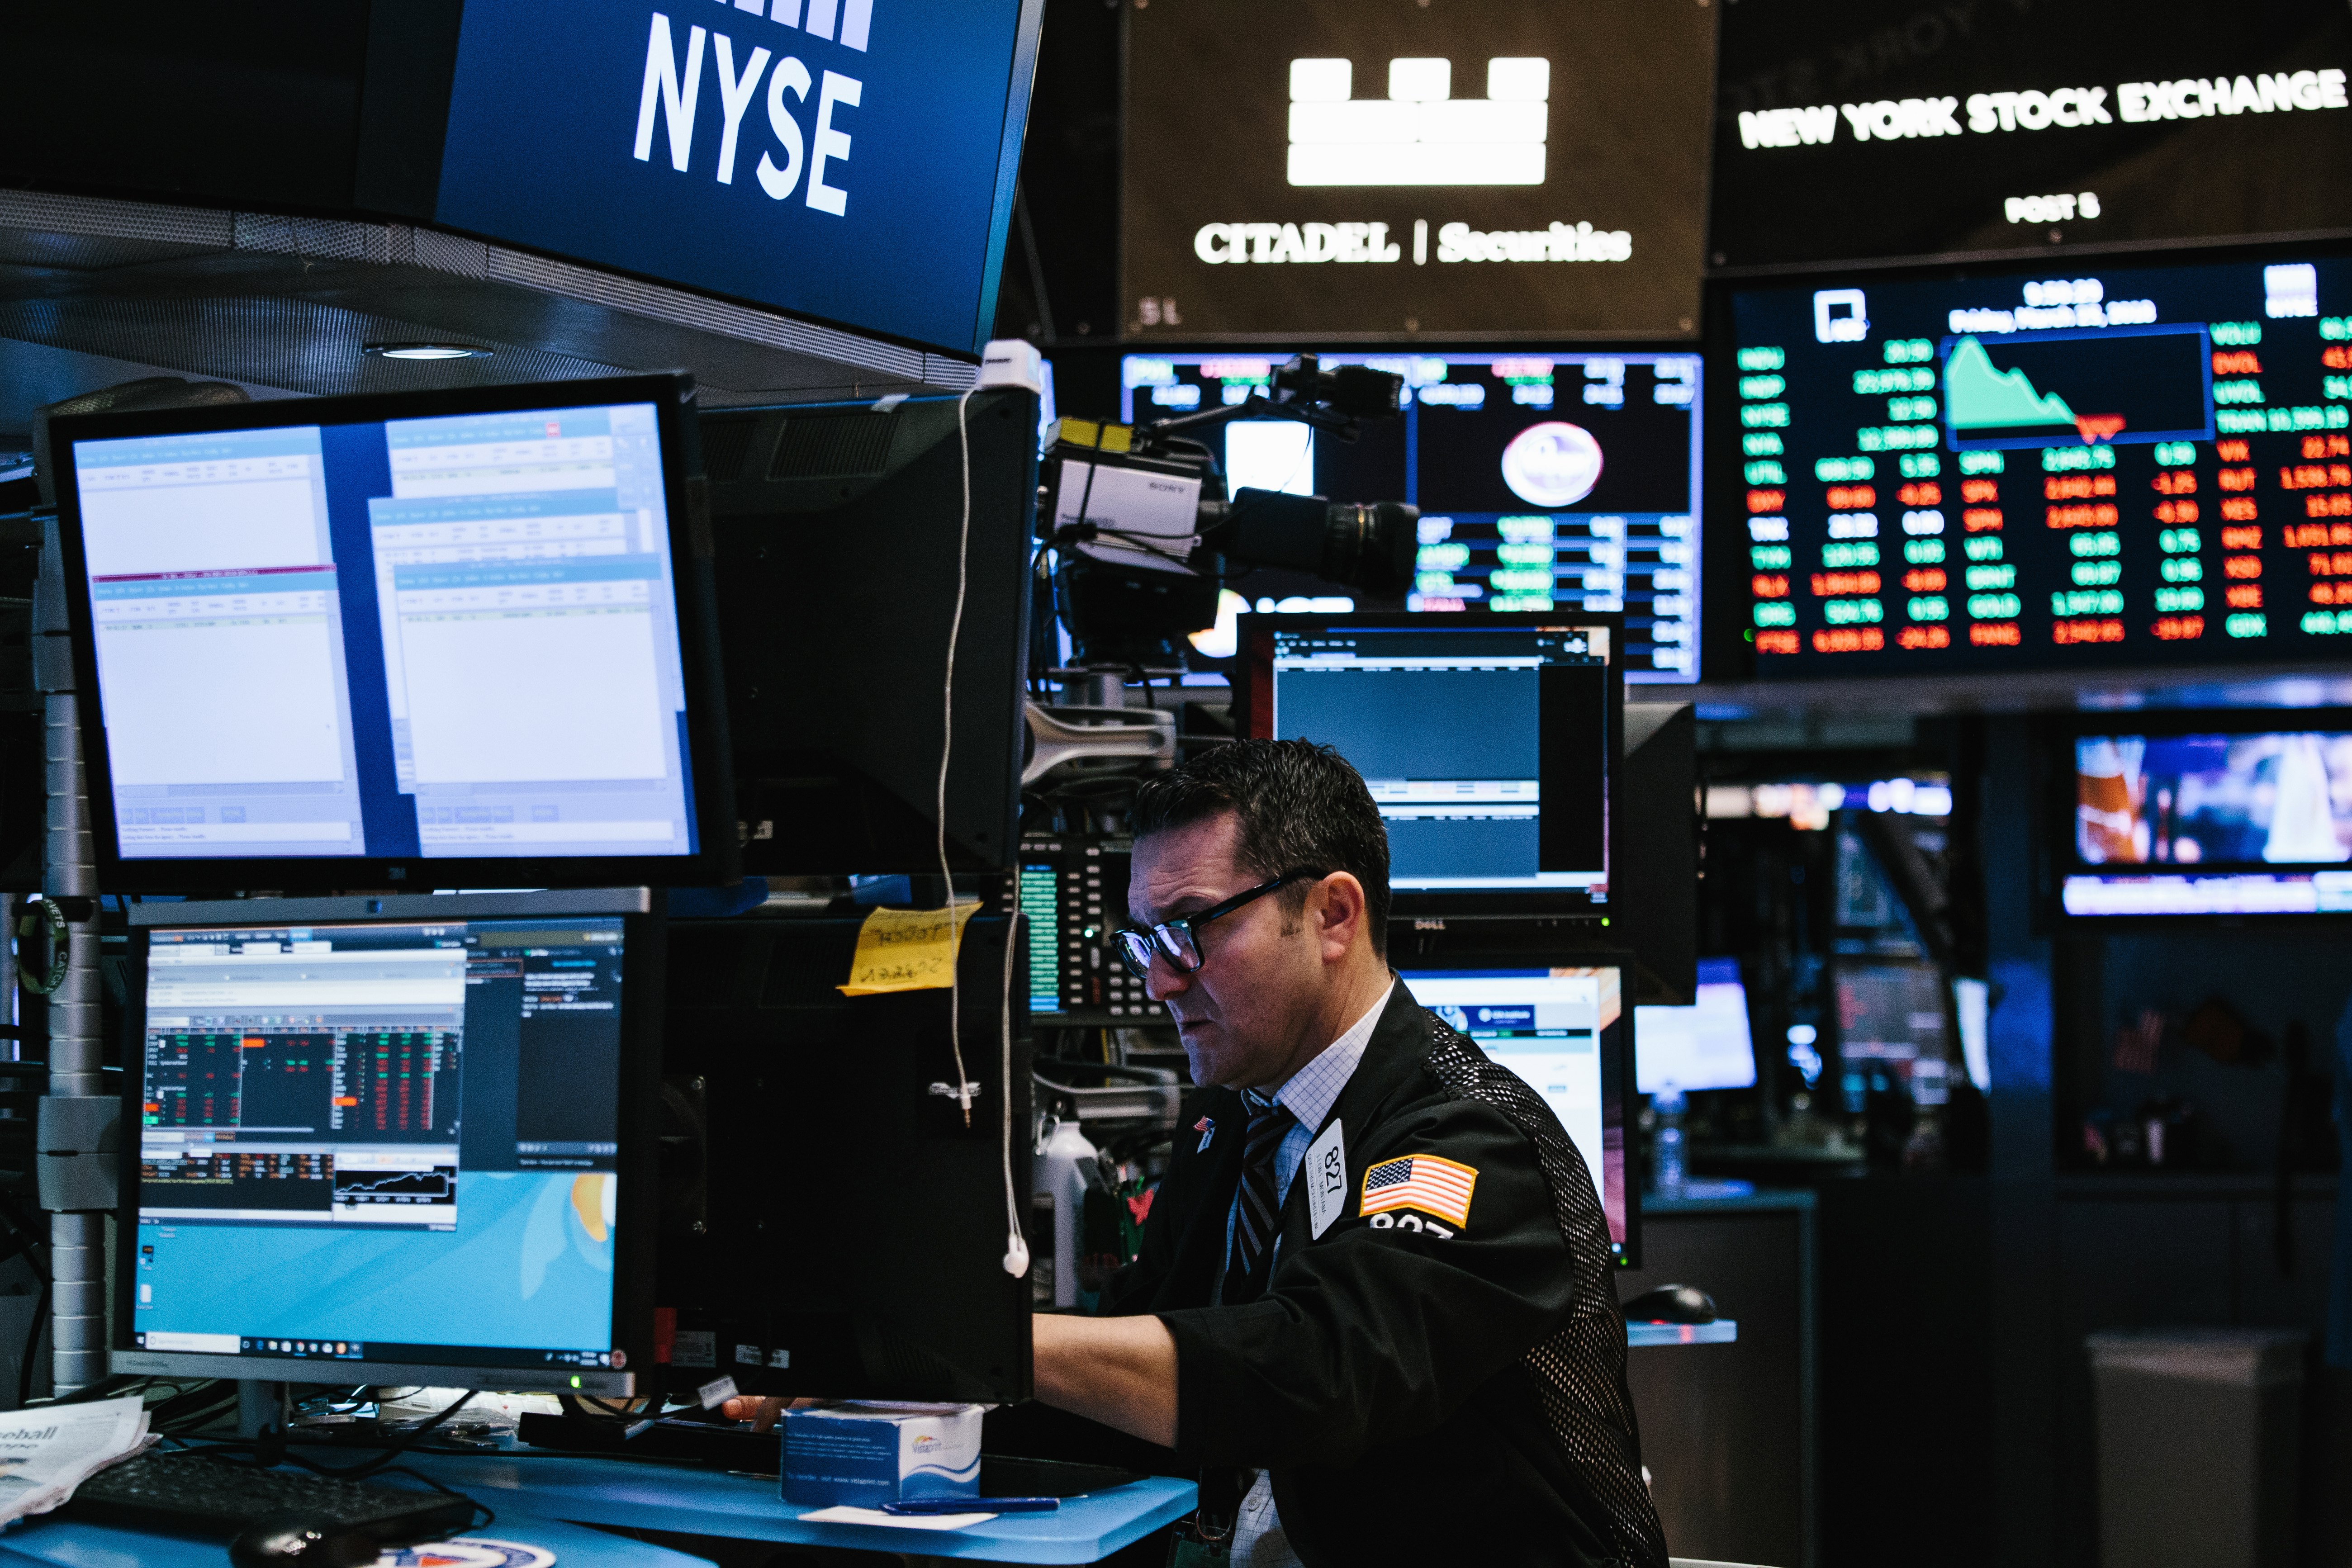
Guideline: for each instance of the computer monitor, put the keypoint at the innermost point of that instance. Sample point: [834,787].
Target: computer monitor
[434,640]
[1546,480]
[1490,744]
[1565,1031]
[832,1224]
[2213,816]
[399,1140]
[838,529]
[1891,1012]
[1704,1045]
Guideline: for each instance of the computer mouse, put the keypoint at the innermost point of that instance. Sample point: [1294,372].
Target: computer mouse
[313,1541]
[1671,1304]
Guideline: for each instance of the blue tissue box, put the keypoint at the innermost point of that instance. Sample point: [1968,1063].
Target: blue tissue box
[866,1453]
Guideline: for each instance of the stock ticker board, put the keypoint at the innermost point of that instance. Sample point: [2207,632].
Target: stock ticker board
[1850,128]
[1545,480]
[2130,466]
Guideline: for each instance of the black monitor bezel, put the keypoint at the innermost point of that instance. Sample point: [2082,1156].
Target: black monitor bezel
[1627,1253]
[645,941]
[2058,857]
[715,858]
[1252,691]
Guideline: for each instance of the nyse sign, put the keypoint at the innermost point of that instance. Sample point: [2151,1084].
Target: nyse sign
[848,160]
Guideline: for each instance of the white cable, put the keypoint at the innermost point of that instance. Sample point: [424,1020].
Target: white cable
[1016,1249]
[947,748]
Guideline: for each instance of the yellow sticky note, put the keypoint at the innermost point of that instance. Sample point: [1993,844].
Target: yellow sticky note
[907,949]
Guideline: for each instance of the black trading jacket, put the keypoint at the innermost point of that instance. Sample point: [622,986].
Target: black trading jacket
[1416,1395]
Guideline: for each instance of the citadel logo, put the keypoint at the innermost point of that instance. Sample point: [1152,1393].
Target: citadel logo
[1420,134]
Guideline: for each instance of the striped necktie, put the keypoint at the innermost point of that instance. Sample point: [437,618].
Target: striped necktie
[1255,1210]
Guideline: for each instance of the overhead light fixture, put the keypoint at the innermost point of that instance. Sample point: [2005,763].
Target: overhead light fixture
[427,350]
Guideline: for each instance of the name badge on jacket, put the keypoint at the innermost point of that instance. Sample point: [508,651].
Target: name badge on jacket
[1325,1170]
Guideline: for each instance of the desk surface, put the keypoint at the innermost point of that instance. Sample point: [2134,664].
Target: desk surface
[697,1501]
[53,1542]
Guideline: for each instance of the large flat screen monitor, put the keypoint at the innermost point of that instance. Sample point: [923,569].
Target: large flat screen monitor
[439,640]
[1704,1045]
[855,541]
[2225,815]
[391,1147]
[1566,1033]
[2010,471]
[1547,481]
[1490,744]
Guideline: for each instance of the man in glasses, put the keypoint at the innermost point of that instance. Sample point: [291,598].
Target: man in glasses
[1374,1305]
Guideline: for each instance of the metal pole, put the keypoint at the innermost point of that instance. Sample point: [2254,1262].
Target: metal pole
[76,1240]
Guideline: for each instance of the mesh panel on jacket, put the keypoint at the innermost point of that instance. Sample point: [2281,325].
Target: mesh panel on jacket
[1578,1370]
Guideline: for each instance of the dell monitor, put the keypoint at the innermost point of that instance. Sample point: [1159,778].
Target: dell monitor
[856,542]
[1564,1031]
[396,1140]
[2206,815]
[1490,744]
[425,639]
[1704,1045]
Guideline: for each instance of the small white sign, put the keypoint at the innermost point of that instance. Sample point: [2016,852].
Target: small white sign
[1326,1173]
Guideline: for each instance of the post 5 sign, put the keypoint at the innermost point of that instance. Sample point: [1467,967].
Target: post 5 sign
[849,159]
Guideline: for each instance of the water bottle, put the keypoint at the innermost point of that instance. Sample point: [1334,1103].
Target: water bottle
[1058,1203]
[1668,1140]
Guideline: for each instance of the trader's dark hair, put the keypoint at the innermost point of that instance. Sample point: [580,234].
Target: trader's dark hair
[1296,803]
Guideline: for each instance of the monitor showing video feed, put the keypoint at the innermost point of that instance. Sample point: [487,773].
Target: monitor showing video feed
[1563,1032]
[444,638]
[1488,744]
[1546,481]
[2211,821]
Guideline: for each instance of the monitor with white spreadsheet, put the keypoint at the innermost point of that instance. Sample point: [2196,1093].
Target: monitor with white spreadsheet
[415,639]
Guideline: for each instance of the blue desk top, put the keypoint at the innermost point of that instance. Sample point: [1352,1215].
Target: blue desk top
[697,1501]
[53,1542]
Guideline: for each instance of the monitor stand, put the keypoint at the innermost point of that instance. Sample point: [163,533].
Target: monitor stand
[261,1407]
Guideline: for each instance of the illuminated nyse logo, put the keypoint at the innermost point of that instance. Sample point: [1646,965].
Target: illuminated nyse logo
[672,92]
[2064,108]
[1420,134]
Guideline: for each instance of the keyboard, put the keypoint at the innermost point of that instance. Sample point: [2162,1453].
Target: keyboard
[177,1491]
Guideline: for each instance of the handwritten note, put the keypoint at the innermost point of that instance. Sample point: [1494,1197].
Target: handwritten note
[907,949]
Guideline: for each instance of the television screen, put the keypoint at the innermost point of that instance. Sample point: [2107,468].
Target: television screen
[2125,466]
[2219,823]
[1380,168]
[1848,129]
[1545,480]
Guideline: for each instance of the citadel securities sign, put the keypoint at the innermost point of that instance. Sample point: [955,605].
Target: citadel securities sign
[846,160]
[1344,169]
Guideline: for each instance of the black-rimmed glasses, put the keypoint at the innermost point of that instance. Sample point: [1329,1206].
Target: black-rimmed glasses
[1178,940]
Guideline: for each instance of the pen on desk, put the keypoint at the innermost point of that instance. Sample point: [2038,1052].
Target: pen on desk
[973,1505]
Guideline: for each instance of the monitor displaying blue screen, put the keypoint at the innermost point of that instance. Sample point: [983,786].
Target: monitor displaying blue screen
[390,1141]
[1704,1045]
[449,638]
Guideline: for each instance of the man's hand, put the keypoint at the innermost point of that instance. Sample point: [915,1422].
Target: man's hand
[1120,1371]
[761,1413]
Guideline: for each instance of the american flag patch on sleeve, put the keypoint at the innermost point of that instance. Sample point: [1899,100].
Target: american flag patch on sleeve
[1425,1182]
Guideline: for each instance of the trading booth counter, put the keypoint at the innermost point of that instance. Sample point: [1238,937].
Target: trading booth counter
[695,1501]
[55,1542]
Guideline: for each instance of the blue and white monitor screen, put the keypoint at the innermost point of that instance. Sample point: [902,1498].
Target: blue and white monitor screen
[1554,1028]
[451,637]
[1704,1045]
[2219,824]
[382,1141]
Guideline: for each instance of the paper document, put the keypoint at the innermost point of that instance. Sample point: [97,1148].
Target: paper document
[845,1514]
[907,949]
[46,1452]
